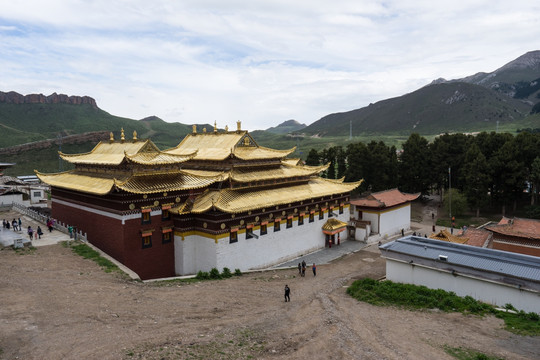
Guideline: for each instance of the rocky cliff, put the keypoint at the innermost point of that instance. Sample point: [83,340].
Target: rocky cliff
[13,97]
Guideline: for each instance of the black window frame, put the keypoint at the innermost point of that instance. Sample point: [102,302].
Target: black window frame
[249,233]
[321,214]
[277,225]
[164,235]
[165,214]
[144,214]
[233,237]
[264,229]
[289,223]
[300,220]
[146,245]
[311,217]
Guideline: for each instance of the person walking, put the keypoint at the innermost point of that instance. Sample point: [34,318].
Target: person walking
[314,268]
[15,225]
[50,224]
[39,231]
[287,293]
[299,269]
[20,224]
[30,232]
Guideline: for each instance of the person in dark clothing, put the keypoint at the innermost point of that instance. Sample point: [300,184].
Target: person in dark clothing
[39,231]
[287,293]
[314,268]
[299,268]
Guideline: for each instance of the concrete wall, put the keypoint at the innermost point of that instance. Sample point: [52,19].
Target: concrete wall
[373,217]
[486,291]
[197,252]
[11,198]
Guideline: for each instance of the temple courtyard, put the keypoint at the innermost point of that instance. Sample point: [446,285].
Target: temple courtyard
[55,304]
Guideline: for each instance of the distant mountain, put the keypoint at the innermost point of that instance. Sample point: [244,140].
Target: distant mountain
[519,78]
[475,103]
[287,127]
[433,109]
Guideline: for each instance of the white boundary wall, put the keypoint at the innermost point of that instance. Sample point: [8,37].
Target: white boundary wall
[481,289]
[197,252]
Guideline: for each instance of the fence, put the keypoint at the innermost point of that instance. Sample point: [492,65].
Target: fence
[58,225]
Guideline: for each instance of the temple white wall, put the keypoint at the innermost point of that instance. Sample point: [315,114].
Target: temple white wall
[391,222]
[483,290]
[199,253]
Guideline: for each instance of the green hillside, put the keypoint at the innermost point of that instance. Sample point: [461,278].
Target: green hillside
[433,109]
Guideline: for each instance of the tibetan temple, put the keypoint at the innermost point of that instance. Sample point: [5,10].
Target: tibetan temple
[216,200]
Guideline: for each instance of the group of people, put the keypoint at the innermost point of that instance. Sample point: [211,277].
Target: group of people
[34,234]
[16,224]
[302,271]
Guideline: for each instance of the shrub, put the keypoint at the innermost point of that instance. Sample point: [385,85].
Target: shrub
[237,272]
[226,273]
[214,274]
[202,275]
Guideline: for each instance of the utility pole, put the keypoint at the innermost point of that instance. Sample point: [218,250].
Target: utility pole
[450,192]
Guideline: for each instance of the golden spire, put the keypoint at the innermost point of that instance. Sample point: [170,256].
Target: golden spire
[122,136]
[215,126]
[226,127]
[111,137]
[204,130]
[194,128]
[134,135]
[238,125]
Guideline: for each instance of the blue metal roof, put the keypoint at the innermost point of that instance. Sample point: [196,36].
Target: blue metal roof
[496,261]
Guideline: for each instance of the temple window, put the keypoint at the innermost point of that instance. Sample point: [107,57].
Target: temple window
[145,216]
[264,229]
[234,237]
[249,233]
[166,237]
[341,209]
[289,222]
[321,214]
[147,241]
[300,219]
[311,217]
[277,225]
[165,215]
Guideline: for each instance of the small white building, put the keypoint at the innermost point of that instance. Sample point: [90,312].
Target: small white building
[491,276]
[382,214]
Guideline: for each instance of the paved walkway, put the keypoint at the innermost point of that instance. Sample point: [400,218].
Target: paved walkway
[7,236]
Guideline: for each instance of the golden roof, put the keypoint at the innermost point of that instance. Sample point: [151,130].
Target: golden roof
[110,153]
[166,181]
[333,224]
[444,235]
[221,145]
[292,161]
[285,171]
[259,152]
[99,184]
[158,158]
[236,201]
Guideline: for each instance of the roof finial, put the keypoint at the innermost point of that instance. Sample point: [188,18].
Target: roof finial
[122,136]
[238,125]
[226,127]
[215,126]
[134,135]
[194,128]
[203,129]
[111,137]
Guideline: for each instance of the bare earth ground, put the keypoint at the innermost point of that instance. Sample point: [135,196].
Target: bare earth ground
[56,305]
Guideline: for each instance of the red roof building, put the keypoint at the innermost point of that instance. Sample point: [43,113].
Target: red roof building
[384,213]
[517,235]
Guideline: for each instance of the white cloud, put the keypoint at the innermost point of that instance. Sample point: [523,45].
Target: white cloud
[262,62]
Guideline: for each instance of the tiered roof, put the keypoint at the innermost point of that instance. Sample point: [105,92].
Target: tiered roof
[139,167]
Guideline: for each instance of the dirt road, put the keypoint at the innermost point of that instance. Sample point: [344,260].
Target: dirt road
[57,305]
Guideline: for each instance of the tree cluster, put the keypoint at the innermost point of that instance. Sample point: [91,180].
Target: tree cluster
[488,168]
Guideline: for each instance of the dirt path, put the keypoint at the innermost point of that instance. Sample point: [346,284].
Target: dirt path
[56,305]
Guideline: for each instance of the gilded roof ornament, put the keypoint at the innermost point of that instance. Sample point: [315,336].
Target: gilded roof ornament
[194,128]
[226,127]
[215,126]
[204,130]
[238,125]
[111,137]
[122,136]
[134,135]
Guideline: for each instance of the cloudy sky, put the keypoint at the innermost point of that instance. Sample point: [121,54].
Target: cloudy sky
[261,62]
